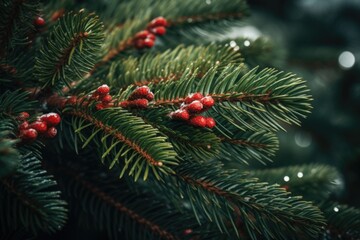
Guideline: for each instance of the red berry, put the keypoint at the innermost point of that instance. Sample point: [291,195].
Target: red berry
[193,96]
[208,102]
[180,115]
[210,122]
[195,107]
[39,21]
[106,99]
[23,116]
[99,106]
[29,134]
[142,34]
[149,43]
[151,36]
[158,30]
[124,104]
[198,121]
[24,125]
[141,103]
[52,119]
[51,132]
[72,100]
[150,96]
[139,44]
[188,231]
[159,21]
[103,89]
[197,96]
[140,92]
[39,126]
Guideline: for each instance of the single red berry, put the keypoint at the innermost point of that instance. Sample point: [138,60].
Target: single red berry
[28,134]
[149,43]
[124,104]
[139,44]
[103,89]
[208,102]
[106,99]
[51,132]
[151,36]
[140,92]
[198,121]
[57,14]
[197,96]
[99,106]
[142,34]
[180,115]
[158,30]
[39,21]
[52,119]
[188,231]
[195,107]
[150,96]
[141,103]
[210,122]
[39,126]
[72,100]
[23,116]
[159,21]
[24,125]
[193,97]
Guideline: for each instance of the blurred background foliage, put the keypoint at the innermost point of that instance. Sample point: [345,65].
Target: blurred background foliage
[318,40]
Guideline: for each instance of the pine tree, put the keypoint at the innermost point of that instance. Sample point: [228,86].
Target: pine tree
[142,120]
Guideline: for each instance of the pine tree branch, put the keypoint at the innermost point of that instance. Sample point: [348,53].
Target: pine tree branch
[202,144]
[16,21]
[9,156]
[108,199]
[343,221]
[204,18]
[170,65]
[213,192]
[118,135]
[262,99]
[29,200]
[122,135]
[116,207]
[312,181]
[75,52]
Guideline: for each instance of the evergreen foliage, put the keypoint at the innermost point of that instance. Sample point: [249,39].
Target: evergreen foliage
[135,172]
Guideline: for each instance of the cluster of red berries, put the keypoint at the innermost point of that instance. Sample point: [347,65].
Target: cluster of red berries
[45,125]
[146,38]
[194,104]
[102,94]
[139,98]
[39,21]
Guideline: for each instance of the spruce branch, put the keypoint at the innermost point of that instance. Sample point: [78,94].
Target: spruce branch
[127,137]
[213,193]
[343,222]
[132,212]
[9,156]
[16,22]
[313,181]
[75,43]
[28,199]
[245,146]
[201,144]
[170,65]
[14,102]
[261,98]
